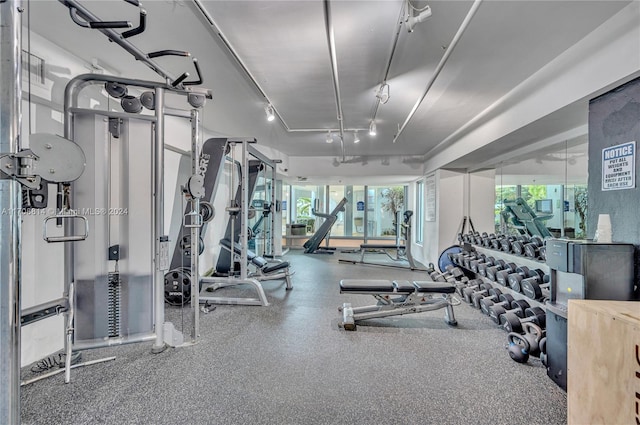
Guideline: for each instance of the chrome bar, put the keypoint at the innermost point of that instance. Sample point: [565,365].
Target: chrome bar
[158,169]
[195,231]
[11,202]
[334,69]
[59,371]
[443,61]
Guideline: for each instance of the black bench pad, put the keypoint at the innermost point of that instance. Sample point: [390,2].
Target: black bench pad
[274,267]
[380,246]
[404,286]
[435,287]
[361,285]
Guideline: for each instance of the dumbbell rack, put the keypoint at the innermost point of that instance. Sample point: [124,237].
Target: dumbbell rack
[510,258]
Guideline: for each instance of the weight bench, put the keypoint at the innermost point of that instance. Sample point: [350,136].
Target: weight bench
[265,270]
[396,298]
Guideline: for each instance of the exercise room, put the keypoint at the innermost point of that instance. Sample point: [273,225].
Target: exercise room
[319,212]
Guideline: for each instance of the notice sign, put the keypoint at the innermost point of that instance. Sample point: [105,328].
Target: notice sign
[430,200]
[619,167]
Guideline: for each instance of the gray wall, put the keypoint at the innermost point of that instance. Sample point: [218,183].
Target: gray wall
[614,118]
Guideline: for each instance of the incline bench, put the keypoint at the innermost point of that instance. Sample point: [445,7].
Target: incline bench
[265,270]
[396,298]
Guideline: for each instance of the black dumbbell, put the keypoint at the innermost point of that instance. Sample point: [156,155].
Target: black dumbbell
[492,294]
[504,300]
[532,249]
[535,286]
[452,274]
[462,285]
[473,283]
[473,264]
[486,241]
[482,267]
[517,246]
[468,293]
[505,243]
[495,242]
[502,277]
[512,323]
[493,270]
[514,279]
[517,307]
[482,261]
[542,253]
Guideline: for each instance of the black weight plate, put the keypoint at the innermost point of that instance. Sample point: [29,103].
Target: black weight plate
[522,305]
[444,260]
[177,287]
[508,298]
[514,280]
[531,251]
[511,266]
[501,277]
[495,311]
[510,322]
[531,289]
[517,248]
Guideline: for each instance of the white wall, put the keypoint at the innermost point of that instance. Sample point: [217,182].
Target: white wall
[597,63]
[480,206]
[458,194]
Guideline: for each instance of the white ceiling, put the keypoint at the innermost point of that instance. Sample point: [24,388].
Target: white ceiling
[284,46]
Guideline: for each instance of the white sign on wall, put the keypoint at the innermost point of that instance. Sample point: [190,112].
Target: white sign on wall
[430,198]
[619,167]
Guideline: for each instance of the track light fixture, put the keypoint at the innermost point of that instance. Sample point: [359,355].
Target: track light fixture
[372,128]
[270,114]
[383,93]
[356,139]
[422,16]
[329,138]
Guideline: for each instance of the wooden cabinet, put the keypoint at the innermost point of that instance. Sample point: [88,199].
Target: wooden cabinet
[603,362]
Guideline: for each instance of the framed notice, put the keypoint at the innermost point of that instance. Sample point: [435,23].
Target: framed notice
[619,167]
[430,198]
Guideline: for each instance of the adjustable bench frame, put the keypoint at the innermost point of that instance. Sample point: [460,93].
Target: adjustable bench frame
[278,271]
[396,298]
[264,269]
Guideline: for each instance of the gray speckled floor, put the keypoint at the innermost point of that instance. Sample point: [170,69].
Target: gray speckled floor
[290,364]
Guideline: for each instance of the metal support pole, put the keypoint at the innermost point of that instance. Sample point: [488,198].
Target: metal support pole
[244,210]
[195,231]
[10,205]
[273,201]
[158,277]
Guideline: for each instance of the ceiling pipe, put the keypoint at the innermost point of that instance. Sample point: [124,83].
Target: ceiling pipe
[216,29]
[334,69]
[388,69]
[443,61]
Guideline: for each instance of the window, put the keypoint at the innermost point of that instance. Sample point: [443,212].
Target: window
[370,212]
[383,205]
